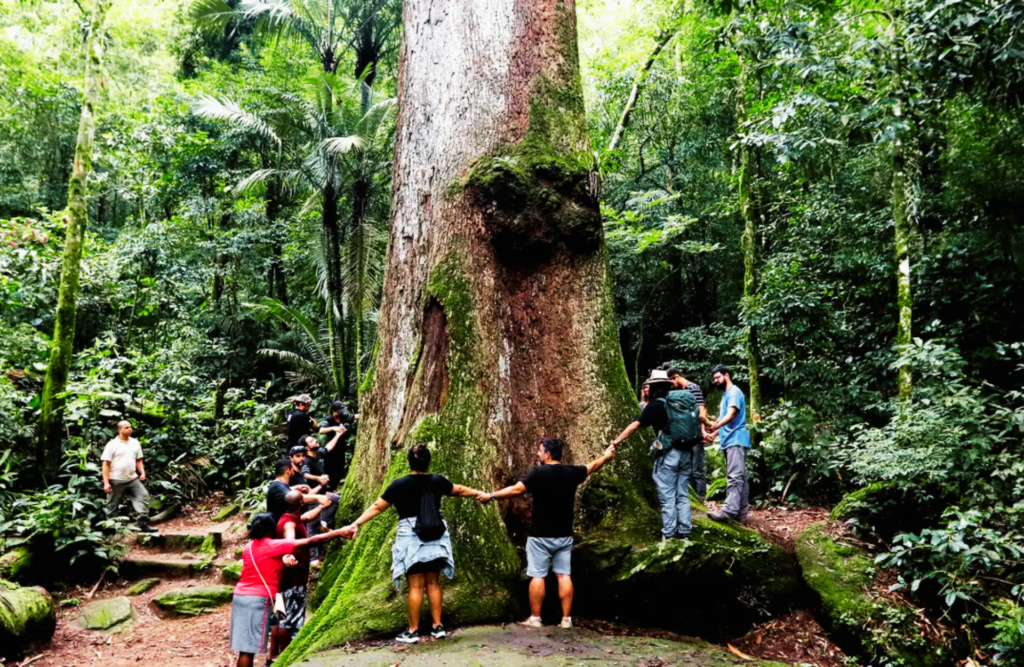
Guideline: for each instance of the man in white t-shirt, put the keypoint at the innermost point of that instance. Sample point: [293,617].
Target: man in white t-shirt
[123,473]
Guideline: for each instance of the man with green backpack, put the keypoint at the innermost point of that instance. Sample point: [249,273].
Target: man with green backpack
[674,416]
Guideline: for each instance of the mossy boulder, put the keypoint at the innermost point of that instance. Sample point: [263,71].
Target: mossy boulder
[140,587]
[17,565]
[27,617]
[231,572]
[863,623]
[192,601]
[715,585]
[106,614]
[887,508]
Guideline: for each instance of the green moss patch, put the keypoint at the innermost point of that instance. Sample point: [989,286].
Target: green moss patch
[231,572]
[192,601]
[27,617]
[106,614]
[863,623]
[227,512]
[140,587]
[16,565]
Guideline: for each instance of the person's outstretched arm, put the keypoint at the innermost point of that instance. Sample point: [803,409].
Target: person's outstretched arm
[464,491]
[373,510]
[596,464]
[626,432]
[322,537]
[516,489]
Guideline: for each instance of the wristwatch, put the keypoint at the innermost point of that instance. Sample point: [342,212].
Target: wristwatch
[492,497]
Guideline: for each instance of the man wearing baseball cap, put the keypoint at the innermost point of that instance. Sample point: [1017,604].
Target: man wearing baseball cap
[298,422]
[297,455]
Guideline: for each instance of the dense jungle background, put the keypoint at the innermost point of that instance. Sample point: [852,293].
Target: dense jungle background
[825,196]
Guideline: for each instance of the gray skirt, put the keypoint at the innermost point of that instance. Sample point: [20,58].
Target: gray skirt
[250,623]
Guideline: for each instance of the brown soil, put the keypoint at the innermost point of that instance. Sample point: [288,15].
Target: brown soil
[794,638]
[200,641]
[781,525]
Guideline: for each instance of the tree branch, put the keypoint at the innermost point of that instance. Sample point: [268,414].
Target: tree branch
[634,94]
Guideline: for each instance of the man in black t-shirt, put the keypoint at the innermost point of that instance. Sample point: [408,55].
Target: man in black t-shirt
[341,423]
[298,423]
[282,483]
[549,546]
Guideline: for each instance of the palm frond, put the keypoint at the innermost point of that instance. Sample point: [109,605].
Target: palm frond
[340,145]
[231,111]
[211,15]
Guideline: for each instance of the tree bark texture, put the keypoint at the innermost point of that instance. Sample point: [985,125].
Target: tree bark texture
[61,349]
[750,209]
[497,325]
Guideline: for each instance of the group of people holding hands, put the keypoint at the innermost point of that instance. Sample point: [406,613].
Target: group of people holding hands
[276,564]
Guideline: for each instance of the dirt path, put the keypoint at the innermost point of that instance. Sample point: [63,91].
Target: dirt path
[151,639]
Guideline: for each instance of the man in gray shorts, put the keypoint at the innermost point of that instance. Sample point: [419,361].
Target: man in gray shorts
[549,546]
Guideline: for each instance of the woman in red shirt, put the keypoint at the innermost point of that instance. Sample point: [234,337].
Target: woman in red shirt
[252,608]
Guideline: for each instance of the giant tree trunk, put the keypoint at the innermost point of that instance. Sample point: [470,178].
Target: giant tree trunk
[51,404]
[749,207]
[497,325]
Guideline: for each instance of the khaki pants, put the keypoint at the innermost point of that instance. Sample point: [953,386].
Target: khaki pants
[136,492]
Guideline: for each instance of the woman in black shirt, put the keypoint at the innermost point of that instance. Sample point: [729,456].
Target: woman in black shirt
[421,562]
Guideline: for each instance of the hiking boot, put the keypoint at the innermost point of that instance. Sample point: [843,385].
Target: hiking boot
[437,632]
[721,517]
[682,538]
[408,637]
[144,527]
[566,622]
[532,622]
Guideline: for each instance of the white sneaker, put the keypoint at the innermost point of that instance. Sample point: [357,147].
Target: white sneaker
[532,622]
[566,622]
[314,563]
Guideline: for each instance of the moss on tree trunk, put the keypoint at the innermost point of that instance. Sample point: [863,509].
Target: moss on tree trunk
[51,404]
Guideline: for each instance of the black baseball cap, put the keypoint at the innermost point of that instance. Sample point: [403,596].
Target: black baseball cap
[297,449]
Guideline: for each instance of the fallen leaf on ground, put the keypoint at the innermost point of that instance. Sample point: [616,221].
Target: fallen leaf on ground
[735,651]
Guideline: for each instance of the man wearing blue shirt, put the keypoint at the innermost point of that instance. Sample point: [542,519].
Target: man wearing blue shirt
[731,427]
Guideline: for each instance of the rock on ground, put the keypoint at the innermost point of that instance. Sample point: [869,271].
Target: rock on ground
[27,617]
[140,587]
[863,623]
[16,565]
[716,585]
[105,614]
[192,601]
[516,646]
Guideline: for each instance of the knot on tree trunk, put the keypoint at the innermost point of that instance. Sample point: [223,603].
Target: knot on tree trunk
[537,203]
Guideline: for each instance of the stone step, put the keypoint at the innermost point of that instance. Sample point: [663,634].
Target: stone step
[209,542]
[137,566]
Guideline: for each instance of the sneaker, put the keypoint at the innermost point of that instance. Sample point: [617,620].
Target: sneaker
[721,517]
[566,622]
[144,527]
[315,563]
[437,632]
[408,637]
[681,537]
[532,622]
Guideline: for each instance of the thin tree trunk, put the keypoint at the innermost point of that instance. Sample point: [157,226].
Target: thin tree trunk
[634,94]
[750,209]
[497,325]
[360,204]
[903,231]
[51,404]
[335,308]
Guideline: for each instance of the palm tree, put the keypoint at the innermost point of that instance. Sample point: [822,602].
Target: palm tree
[326,144]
